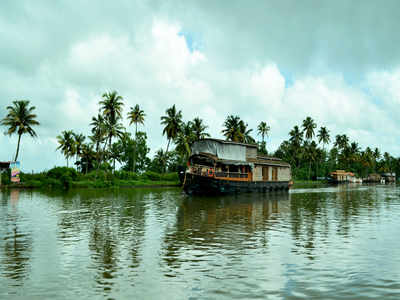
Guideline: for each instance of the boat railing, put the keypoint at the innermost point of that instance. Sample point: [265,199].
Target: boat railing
[218,174]
[231,174]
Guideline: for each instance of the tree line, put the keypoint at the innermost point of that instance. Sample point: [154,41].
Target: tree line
[110,142]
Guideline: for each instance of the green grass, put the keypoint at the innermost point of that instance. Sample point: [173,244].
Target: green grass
[301,184]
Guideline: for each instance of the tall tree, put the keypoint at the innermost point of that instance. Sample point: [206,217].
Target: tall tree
[199,129]
[111,106]
[135,116]
[172,123]
[323,136]
[245,133]
[79,140]
[184,139]
[296,136]
[263,130]
[20,119]
[232,130]
[66,144]
[308,128]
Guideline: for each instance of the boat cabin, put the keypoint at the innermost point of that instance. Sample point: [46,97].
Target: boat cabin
[235,162]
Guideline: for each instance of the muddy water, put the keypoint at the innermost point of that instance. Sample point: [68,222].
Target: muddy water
[331,243]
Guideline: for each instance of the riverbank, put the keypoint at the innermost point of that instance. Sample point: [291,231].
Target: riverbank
[64,178]
[303,184]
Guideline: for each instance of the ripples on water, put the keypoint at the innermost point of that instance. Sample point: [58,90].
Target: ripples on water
[330,243]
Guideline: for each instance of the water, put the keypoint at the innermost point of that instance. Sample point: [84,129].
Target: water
[330,243]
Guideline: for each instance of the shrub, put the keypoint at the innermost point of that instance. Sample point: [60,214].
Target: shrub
[149,175]
[59,172]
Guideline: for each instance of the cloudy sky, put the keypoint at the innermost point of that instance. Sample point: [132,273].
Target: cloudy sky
[273,61]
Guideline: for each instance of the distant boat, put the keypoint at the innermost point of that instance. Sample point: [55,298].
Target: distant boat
[219,167]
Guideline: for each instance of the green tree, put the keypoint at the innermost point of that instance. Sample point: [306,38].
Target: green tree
[184,139]
[111,106]
[308,128]
[199,129]
[323,136]
[128,145]
[172,123]
[135,116]
[20,119]
[232,130]
[66,144]
[263,130]
[79,140]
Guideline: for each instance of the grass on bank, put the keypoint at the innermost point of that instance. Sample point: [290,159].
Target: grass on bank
[63,177]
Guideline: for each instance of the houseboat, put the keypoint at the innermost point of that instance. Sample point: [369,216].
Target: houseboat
[219,167]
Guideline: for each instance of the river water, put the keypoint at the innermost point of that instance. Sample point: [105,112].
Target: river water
[329,243]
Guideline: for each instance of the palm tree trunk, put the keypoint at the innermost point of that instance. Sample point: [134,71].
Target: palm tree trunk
[165,156]
[19,140]
[134,151]
[309,169]
[67,161]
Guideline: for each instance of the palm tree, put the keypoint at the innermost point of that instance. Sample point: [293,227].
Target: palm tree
[245,133]
[172,123]
[112,110]
[323,136]
[87,155]
[199,129]
[67,145]
[341,141]
[184,139]
[20,119]
[79,140]
[296,136]
[136,116]
[308,128]
[263,129]
[232,130]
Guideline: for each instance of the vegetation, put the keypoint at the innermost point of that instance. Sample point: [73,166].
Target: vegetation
[95,156]
[309,160]
[20,119]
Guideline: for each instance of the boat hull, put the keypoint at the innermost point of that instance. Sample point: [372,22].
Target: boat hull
[197,184]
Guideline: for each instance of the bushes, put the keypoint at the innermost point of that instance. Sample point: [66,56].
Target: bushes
[63,177]
[62,172]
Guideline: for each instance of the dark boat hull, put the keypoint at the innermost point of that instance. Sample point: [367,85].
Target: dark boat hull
[196,184]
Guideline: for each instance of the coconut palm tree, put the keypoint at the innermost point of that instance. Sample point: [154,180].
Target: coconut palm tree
[111,106]
[296,136]
[232,130]
[323,136]
[263,130]
[199,129]
[87,156]
[20,119]
[66,144]
[308,128]
[245,133]
[136,116]
[79,140]
[185,138]
[172,123]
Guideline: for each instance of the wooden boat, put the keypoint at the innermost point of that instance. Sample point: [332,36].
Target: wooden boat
[219,167]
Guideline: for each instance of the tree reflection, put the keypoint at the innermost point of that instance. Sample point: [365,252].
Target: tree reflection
[316,216]
[17,242]
[226,222]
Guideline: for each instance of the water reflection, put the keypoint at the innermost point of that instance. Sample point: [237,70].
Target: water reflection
[16,242]
[231,223]
[160,244]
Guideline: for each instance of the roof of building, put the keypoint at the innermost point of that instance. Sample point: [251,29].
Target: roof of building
[4,164]
[268,161]
[228,142]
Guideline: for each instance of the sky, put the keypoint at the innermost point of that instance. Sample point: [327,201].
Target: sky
[272,61]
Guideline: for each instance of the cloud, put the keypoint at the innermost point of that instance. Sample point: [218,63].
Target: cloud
[209,59]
